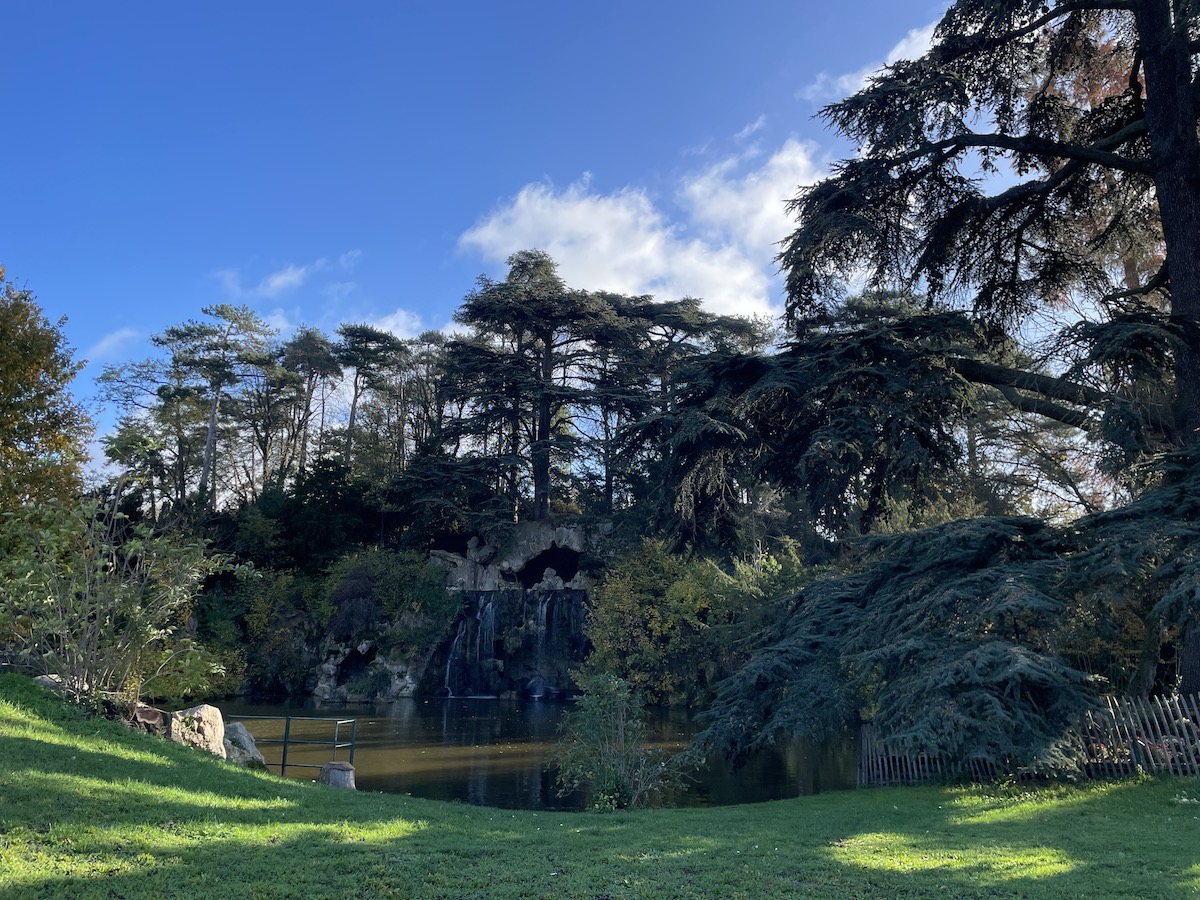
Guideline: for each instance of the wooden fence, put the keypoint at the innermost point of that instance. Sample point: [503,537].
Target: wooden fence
[1155,735]
[1125,736]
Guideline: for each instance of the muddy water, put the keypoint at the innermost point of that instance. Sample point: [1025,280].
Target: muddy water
[491,753]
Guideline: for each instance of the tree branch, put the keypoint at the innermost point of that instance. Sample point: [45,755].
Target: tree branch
[1099,152]
[1160,279]
[1048,386]
[1042,407]
[1059,11]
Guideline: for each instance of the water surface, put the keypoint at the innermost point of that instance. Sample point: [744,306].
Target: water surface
[491,752]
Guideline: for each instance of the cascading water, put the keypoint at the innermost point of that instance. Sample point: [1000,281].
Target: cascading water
[453,655]
[485,625]
[543,608]
[512,642]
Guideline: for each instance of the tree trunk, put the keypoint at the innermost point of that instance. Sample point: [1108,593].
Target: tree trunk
[1189,657]
[356,390]
[210,446]
[337,774]
[540,451]
[1171,123]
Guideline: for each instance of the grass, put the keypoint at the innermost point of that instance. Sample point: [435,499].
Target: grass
[89,809]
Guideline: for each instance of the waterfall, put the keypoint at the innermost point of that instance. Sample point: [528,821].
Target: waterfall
[510,641]
[542,609]
[485,630]
[462,628]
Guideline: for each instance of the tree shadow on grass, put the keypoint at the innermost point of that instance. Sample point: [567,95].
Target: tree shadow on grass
[893,843]
[94,810]
[56,782]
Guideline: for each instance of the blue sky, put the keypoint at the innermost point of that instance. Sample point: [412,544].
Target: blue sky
[366,161]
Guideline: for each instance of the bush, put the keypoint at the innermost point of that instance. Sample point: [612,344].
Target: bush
[673,625]
[603,750]
[102,604]
[284,615]
[398,599]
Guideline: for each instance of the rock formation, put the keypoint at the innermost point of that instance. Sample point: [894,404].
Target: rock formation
[240,747]
[199,726]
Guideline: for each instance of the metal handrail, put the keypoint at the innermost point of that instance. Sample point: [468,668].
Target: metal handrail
[286,740]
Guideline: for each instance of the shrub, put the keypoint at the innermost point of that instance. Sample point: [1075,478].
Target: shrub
[396,598]
[99,602]
[675,625]
[603,749]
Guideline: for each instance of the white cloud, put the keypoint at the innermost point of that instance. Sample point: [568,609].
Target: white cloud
[290,278]
[287,279]
[338,291]
[401,323]
[619,242]
[914,45]
[231,282]
[826,88]
[750,129]
[721,249]
[749,208]
[282,320]
[111,345]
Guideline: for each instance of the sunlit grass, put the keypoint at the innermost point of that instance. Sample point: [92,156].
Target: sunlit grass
[985,863]
[50,735]
[1021,804]
[130,793]
[91,810]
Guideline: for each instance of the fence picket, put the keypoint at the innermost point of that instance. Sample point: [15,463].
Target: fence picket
[1121,737]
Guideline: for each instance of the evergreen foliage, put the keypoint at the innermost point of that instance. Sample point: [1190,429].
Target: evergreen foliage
[989,637]
[957,640]
[1085,111]
[672,626]
[398,599]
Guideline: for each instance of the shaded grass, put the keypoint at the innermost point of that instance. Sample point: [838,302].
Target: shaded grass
[89,809]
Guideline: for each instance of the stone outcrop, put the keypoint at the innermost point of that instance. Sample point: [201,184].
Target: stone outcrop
[358,674]
[240,747]
[512,643]
[199,726]
[484,567]
[520,631]
[50,682]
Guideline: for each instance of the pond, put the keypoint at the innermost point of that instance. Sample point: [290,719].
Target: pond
[489,752]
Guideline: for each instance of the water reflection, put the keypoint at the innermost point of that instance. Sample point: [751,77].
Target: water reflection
[491,753]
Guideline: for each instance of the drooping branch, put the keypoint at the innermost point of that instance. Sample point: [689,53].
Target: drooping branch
[1099,152]
[1050,393]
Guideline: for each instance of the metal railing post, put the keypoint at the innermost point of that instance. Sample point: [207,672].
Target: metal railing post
[287,730]
[335,745]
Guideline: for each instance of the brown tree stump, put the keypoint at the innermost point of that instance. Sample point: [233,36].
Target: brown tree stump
[338,774]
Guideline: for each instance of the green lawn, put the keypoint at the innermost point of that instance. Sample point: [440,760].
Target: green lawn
[89,809]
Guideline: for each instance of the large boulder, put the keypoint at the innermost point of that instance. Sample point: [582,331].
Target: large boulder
[240,747]
[199,726]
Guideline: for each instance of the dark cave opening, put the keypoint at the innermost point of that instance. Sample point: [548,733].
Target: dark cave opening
[563,560]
